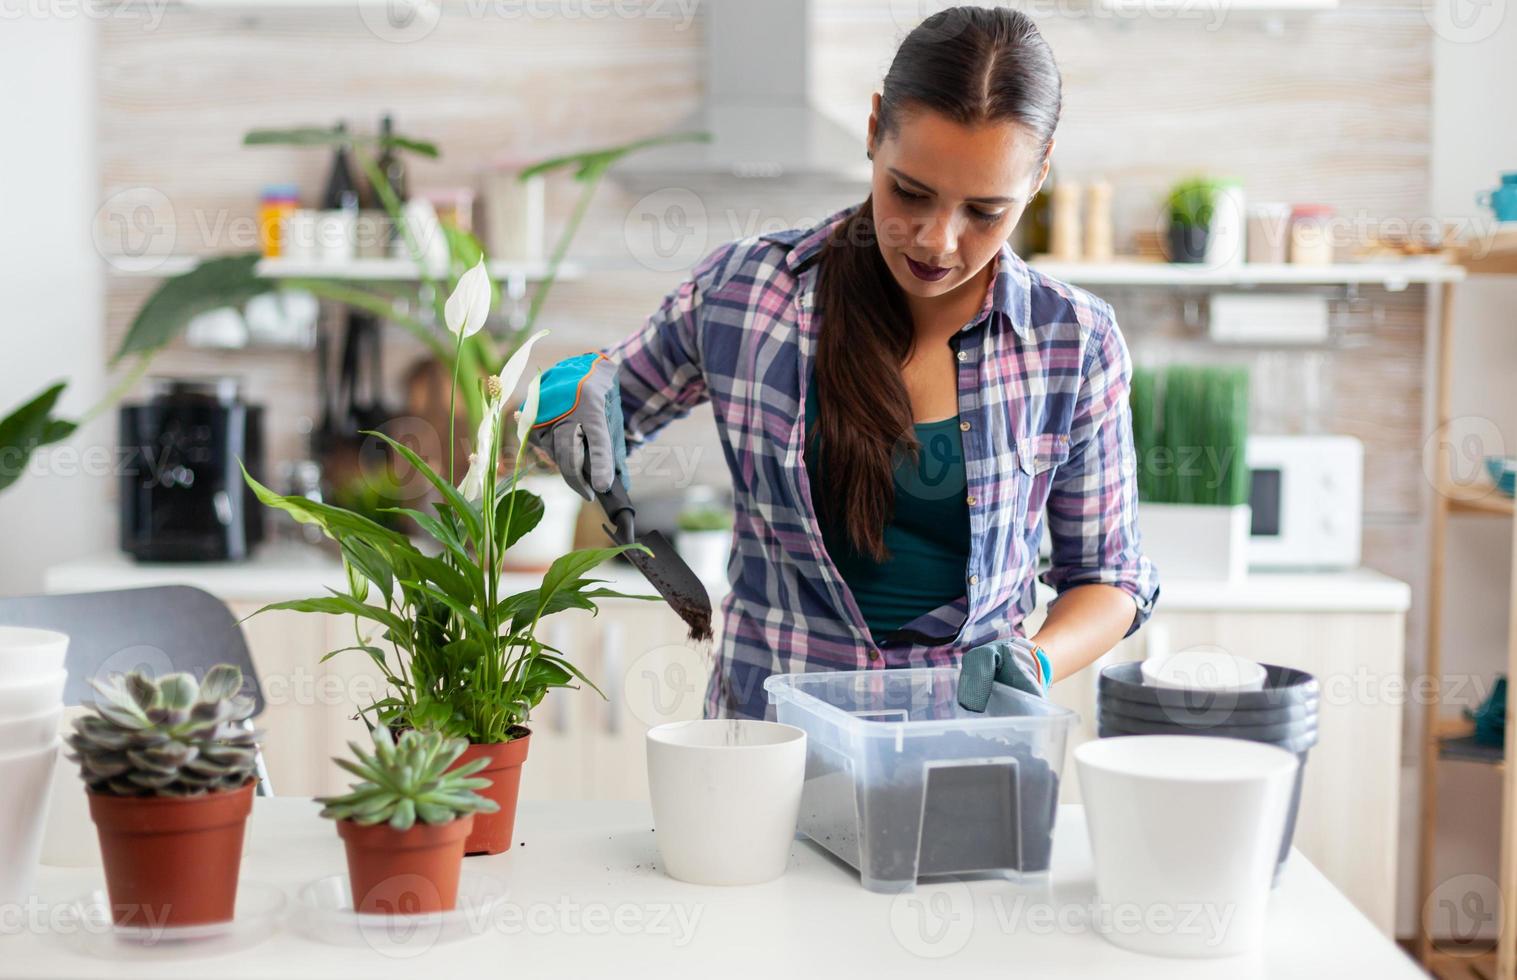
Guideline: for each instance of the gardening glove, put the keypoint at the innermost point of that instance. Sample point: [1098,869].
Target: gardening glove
[579,423]
[1017,662]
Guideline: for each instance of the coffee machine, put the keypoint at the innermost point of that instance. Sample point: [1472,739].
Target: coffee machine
[182,493]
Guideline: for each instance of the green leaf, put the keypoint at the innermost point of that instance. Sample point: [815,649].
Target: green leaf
[331,136]
[517,513]
[590,164]
[342,605]
[221,682]
[228,281]
[465,511]
[178,691]
[338,523]
[27,428]
[568,568]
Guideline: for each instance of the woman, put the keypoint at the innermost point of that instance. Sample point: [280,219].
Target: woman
[898,396]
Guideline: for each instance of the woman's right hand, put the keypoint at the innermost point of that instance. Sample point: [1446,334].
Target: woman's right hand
[579,423]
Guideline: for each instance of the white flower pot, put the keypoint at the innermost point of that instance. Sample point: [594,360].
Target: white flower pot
[1194,541]
[28,654]
[554,536]
[32,696]
[27,780]
[1185,832]
[726,794]
[706,552]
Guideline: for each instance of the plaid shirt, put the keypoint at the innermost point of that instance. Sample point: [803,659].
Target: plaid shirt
[1043,376]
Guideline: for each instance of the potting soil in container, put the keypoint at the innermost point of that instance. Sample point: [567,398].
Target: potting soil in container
[902,782]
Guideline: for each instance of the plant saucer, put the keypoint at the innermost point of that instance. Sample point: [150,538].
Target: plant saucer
[91,930]
[324,912]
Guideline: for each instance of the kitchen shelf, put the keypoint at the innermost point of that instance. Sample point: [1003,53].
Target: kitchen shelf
[1394,276]
[1442,739]
[357,270]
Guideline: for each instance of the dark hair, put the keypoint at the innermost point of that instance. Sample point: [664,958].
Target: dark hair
[973,65]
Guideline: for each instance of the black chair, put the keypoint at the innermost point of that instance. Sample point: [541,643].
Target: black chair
[159,630]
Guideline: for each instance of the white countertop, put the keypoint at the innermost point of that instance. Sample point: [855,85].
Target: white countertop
[291,571]
[587,900]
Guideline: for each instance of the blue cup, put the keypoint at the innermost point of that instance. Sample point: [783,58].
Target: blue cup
[1502,200]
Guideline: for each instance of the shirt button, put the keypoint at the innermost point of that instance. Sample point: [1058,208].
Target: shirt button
[874,655]
[970,501]
[963,355]
[974,580]
[963,426]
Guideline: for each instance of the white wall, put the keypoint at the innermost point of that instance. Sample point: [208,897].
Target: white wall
[51,316]
[1474,69]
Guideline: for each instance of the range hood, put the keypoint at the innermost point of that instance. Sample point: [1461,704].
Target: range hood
[757,109]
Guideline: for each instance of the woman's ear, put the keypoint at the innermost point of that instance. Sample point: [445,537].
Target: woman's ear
[1037,184]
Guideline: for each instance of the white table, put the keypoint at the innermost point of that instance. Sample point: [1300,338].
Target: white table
[588,900]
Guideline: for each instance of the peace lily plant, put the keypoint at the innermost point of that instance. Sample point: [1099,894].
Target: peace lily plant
[460,658]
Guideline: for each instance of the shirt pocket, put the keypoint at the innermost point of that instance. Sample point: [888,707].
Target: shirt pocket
[1037,458]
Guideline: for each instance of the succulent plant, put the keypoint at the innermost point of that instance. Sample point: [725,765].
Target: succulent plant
[406,781]
[168,736]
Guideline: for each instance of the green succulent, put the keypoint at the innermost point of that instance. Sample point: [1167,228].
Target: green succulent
[406,781]
[168,736]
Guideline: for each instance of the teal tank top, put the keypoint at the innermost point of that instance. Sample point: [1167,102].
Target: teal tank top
[927,536]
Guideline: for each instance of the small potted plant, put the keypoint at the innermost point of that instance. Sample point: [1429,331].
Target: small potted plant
[460,656]
[1190,431]
[1190,206]
[705,536]
[405,822]
[169,770]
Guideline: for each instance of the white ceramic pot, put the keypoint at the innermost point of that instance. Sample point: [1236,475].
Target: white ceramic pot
[27,780]
[22,699]
[1185,831]
[726,794]
[1192,541]
[70,840]
[30,731]
[1203,670]
[27,654]
[554,535]
[706,552]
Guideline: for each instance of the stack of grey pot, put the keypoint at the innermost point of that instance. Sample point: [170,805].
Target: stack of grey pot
[1283,713]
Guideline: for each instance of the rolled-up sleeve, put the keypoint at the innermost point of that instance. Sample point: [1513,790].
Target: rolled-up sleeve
[660,368]
[1093,499]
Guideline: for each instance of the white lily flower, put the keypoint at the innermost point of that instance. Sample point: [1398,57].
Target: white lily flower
[528,413]
[516,364]
[467,308]
[473,486]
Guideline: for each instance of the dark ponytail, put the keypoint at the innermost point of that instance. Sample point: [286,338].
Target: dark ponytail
[973,65]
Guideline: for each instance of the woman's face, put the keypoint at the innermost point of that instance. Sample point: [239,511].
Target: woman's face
[946,196]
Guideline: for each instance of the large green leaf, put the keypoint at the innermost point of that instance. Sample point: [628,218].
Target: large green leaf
[339,604]
[466,512]
[571,567]
[340,524]
[516,514]
[227,281]
[28,427]
[590,164]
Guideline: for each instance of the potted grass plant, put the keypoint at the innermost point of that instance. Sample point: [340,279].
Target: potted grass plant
[461,657]
[169,770]
[1190,430]
[405,822]
[1190,206]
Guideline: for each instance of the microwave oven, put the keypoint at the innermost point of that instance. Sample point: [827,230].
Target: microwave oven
[1306,494]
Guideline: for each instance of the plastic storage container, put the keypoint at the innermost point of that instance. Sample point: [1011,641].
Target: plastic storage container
[901,782]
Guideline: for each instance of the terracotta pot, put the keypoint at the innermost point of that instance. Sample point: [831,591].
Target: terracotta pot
[171,860]
[404,872]
[492,831]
